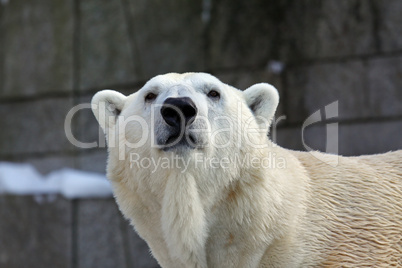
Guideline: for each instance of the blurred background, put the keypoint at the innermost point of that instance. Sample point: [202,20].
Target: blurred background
[57,54]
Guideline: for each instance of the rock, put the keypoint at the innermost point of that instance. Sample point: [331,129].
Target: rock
[34,126]
[106,56]
[328,29]
[363,88]
[168,35]
[100,238]
[38,48]
[351,139]
[389,22]
[35,234]
[244,33]
[384,85]
[94,161]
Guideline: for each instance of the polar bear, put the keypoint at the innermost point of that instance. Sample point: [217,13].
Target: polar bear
[193,170]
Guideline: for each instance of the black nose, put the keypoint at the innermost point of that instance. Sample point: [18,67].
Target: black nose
[174,110]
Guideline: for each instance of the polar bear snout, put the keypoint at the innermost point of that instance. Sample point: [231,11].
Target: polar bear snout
[179,112]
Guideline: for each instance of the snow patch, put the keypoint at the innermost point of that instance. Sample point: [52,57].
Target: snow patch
[23,179]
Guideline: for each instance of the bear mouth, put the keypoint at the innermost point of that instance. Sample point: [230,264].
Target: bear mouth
[176,141]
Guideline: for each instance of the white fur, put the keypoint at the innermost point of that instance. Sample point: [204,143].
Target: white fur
[266,96]
[113,101]
[303,214]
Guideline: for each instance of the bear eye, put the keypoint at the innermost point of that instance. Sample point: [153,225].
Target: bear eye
[150,96]
[213,94]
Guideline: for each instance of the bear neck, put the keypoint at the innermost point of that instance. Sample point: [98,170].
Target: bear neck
[188,205]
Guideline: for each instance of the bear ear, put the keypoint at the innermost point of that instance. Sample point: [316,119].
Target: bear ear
[262,99]
[106,106]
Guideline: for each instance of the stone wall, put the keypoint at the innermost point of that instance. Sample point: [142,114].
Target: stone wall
[57,54]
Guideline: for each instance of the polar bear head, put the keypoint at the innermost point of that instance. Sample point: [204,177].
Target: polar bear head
[199,125]
[183,114]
